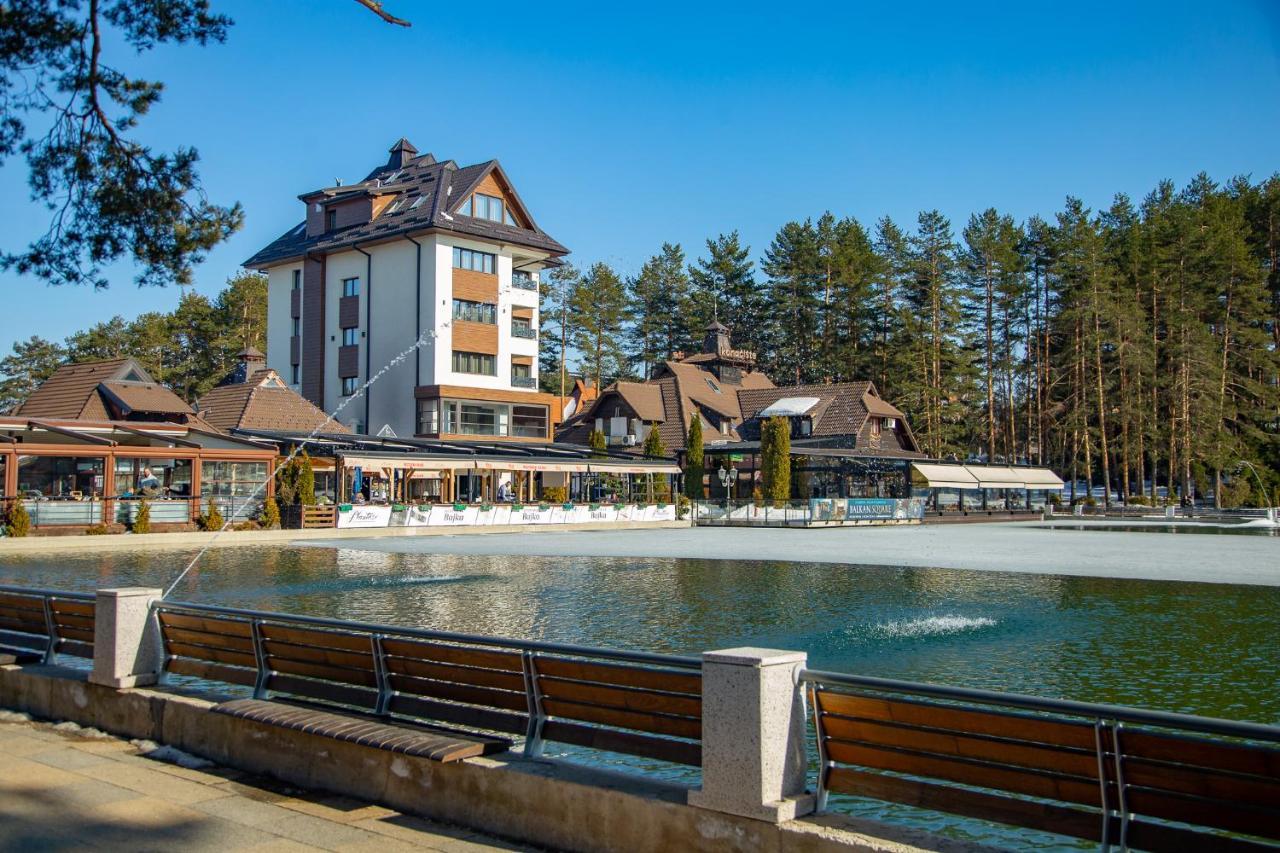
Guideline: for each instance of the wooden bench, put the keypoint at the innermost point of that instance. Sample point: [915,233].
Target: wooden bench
[1159,789]
[36,625]
[487,688]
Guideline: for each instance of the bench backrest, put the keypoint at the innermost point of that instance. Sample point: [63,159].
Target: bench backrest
[641,709]
[1052,773]
[46,623]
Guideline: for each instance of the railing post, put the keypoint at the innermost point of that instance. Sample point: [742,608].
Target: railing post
[126,645]
[753,735]
[533,699]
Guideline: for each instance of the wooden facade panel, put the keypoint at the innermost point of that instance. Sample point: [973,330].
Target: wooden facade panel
[313,334]
[295,349]
[475,286]
[475,337]
[348,311]
[490,185]
[295,303]
[522,312]
[348,361]
[522,359]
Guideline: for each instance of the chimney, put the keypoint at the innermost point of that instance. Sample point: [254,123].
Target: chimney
[251,361]
[401,153]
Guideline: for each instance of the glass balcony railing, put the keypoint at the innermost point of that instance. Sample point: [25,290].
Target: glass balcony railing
[524,283]
[519,330]
[524,382]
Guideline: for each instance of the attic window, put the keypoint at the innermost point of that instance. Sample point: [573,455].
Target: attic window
[417,202]
[132,376]
[394,206]
[391,178]
[714,386]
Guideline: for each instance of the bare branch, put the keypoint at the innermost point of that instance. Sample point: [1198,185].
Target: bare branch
[375,6]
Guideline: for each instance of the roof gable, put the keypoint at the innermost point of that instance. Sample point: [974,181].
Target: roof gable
[72,390]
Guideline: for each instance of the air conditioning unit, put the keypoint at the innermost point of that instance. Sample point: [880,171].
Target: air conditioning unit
[629,441]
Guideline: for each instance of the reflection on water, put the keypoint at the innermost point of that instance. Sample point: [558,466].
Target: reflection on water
[1194,647]
[1230,529]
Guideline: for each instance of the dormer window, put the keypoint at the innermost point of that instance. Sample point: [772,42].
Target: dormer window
[713,385]
[330,220]
[890,423]
[489,207]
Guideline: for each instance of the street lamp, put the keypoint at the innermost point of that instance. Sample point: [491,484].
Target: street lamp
[727,476]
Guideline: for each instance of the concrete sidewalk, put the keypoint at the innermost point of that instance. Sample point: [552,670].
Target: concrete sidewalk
[67,788]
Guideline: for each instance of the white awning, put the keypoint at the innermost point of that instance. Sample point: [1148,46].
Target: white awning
[633,468]
[996,477]
[788,407]
[1040,478]
[407,463]
[945,476]
[518,465]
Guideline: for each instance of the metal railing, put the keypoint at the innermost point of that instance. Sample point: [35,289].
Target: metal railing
[1107,721]
[523,331]
[89,511]
[376,634]
[815,512]
[524,382]
[50,641]
[524,283]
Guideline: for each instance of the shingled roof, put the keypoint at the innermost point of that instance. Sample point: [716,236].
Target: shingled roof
[264,402]
[427,195]
[112,389]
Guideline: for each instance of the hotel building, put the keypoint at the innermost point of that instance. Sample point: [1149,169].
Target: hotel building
[419,250]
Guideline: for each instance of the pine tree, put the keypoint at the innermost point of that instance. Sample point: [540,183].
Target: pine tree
[270,514]
[723,287]
[306,480]
[31,363]
[694,460]
[559,329]
[653,447]
[656,297]
[797,272]
[599,303]
[142,520]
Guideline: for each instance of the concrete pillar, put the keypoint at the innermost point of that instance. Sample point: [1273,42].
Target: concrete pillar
[753,735]
[126,645]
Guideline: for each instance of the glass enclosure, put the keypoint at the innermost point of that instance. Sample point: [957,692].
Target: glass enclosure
[60,477]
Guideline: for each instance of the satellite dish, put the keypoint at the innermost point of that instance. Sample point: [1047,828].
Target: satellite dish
[386,432]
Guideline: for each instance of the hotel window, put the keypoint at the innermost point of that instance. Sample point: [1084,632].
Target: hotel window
[529,421]
[522,280]
[351,287]
[475,312]
[474,362]
[522,328]
[297,327]
[488,207]
[474,418]
[428,417]
[297,279]
[466,259]
[296,373]
[348,385]
[330,220]
[350,336]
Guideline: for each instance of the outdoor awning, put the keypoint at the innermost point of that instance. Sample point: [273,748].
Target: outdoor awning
[1040,478]
[408,463]
[938,476]
[633,468]
[996,477]
[520,465]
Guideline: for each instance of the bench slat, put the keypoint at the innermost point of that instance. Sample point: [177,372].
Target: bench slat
[212,655]
[73,621]
[442,653]
[620,675]
[462,715]
[485,696]
[1197,752]
[326,672]
[316,638]
[653,723]
[326,691]
[628,743]
[67,632]
[72,607]
[1220,814]
[456,674]
[213,641]
[12,601]
[624,699]
[209,625]
[911,713]
[211,671]
[347,660]
[1034,783]
[1202,783]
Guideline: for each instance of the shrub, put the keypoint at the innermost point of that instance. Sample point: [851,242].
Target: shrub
[775,453]
[694,459]
[682,506]
[247,524]
[306,480]
[1137,500]
[596,441]
[142,519]
[17,521]
[270,514]
[1090,501]
[212,518]
[96,530]
[555,494]
[757,496]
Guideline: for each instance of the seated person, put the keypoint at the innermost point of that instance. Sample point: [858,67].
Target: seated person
[149,484]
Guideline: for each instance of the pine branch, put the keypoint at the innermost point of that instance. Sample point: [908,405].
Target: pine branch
[375,6]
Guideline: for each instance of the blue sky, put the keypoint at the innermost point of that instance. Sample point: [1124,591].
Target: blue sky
[625,127]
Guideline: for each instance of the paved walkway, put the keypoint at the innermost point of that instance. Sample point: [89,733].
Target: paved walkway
[1007,547]
[65,790]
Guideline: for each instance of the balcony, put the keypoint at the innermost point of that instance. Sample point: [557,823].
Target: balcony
[523,330]
[524,283]
[524,382]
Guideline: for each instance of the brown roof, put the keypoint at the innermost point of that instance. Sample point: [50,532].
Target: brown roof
[645,400]
[880,407]
[131,397]
[839,410]
[71,392]
[264,402]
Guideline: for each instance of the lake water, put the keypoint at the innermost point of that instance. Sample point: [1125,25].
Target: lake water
[1193,647]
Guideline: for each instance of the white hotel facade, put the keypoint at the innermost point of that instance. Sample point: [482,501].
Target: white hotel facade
[418,250]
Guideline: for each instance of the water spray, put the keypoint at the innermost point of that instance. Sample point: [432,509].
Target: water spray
[426,337]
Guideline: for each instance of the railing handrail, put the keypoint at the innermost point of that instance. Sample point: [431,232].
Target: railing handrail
[1169,719]
[673,661]
[47,593]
